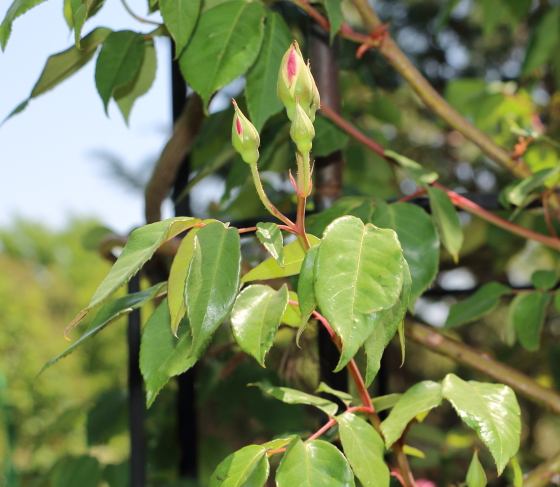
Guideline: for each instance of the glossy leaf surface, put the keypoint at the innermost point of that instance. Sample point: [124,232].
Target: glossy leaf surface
[364,449]
[178,278]
[358,271]
[491,410]
[269,269]
[111,312]
[384,326]
[224,45]
[140,248]
[212,282]
[476,476]
[419,240]
[247,467]
[476,306]
[313,464]
[528,312]
[544,280]
[306,288]
[263,75]
[118,63]
[255,318]
[418,399]
[293,396]
[180,18]
[412,169]
[271,237]
[447,221]
[163,355]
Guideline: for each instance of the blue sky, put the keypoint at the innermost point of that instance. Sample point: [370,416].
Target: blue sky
[47,170]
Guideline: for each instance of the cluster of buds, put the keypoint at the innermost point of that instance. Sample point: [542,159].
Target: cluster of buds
[295,83]
[245,137]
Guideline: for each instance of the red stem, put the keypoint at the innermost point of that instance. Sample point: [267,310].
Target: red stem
[246,230]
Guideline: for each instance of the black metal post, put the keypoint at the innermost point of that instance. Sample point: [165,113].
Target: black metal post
[328,174]
[137,408]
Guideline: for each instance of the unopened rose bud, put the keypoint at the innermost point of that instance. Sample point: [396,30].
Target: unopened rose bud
[295,81]
[302,130]
[244,137]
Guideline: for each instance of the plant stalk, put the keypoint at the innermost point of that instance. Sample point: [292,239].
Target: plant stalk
[542,475]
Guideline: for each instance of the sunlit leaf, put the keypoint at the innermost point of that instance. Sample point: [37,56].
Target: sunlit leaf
[180,18]
[247,467]
[343,396]
[412,169]
[271,237]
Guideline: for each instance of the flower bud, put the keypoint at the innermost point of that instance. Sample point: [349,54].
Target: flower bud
[295,81]
[302,130]
[244,137]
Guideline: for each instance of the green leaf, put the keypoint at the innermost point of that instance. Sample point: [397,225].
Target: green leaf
[528,312]
[364,449]
[18,7]
[419,239]
[412,169]
[292,315]
[313,463]
[306,288]
[84,471]
[225,44]
[277,443]
[107,417]
[270,269]
[519,192]
[140,248]
[358,271]
[349,205]
[491,410]
[328,137]
[212,281]
[447,221]
[110,313]
[517,473]
[381,403]
[118,63]
[343,396]
[544,280]
[544,41]
[476,476]
[293,396]
[418,399]
[178,278]
[247,467]
[126,95]
[117,475]
[64,64]
[271,237]
[180,18]
[384,325]
[162,355]
[263,76]
[81,11]
[476,306]
[255,318]
[334,13]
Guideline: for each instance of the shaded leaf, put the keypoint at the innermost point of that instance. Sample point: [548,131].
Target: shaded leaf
[528,312]
[117,475]
[306,289]
[476,306]
[271,237]
[328,137]
[263,75]
[107,417]
[126,95]
[358,271]
[269,269]
[343,396]
[162,355]
[364,449]
[313,463]
[334,13]
[18,7]
[178,278]
[544,280]
[543,42]
[84,471]
[491,410]
[447,221]
[180,18]
[476,476]
[255,318]
[118,63]
[384,326]
[419,240]
[212,281]
[225,43]
[247,467]
[412,169]
[293,396]
[112,312]
[420,398]
[140,248]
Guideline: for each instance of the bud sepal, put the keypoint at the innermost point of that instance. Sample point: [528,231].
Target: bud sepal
[245,137]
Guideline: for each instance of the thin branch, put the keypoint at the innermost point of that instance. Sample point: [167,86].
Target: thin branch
[542,475]
[137,17]
[482,362]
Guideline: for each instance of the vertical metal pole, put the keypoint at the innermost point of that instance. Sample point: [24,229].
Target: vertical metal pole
[186,411]
[136,402]
[328,173]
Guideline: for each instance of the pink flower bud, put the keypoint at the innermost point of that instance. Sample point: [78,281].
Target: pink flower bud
[244,137]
